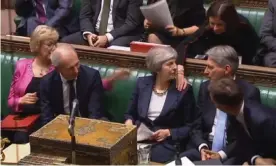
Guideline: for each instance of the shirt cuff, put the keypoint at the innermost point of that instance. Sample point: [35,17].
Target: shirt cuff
[109,37]
[85,33]
[201,146]
[223,155]
[253,159]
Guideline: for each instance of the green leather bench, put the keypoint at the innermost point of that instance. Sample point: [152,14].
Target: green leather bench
[116,101]
[254,15]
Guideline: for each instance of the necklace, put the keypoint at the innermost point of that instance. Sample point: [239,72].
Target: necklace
[158,93]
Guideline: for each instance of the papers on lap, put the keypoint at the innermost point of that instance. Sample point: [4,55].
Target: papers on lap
[158,14]
[143,132]
[185,161]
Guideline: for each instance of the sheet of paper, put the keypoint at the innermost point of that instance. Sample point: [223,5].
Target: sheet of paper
[143,132]
[158,14]
[185,161]
[16,152]
[119,48]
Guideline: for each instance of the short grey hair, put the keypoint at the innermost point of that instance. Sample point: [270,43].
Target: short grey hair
[224,55]
[157,56]
[61,50]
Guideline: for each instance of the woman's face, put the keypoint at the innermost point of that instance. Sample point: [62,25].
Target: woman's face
[168,70]
[217,25]
[46,48]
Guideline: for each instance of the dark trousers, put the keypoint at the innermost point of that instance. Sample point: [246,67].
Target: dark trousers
[77,38]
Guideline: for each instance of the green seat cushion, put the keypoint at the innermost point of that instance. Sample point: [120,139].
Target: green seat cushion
[116,101]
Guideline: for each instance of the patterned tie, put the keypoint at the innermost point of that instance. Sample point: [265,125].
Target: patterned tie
[72,93]
[40,11]
[219,138]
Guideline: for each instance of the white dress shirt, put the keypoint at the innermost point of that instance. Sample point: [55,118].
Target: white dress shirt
[110,26]
[156,105]
[65,90]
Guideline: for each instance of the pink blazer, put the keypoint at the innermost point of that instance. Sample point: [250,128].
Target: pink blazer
[22,77]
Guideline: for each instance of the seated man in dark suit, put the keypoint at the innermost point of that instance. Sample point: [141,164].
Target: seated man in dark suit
[54,13]
[70,81]
[213,130]
[108,22]
[254,123]
[268,35]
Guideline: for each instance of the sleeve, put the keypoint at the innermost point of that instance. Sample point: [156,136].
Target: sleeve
[107,85]
[95,105]
[196,132]
[188,105]
[86,17]
[266,32]
[62,11]
[13,99]
[133,19]
[22,5]
[47,113]
[133,105]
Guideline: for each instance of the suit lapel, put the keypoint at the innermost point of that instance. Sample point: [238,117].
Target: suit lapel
[115,4]
[145,97]
[58,91]
[80,88]
[171,99]
[98,9]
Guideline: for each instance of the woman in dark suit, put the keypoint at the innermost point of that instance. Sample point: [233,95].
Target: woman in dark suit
[224,27]
[187,15]
[157,104]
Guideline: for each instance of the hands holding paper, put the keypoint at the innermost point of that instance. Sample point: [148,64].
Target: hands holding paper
[160,135]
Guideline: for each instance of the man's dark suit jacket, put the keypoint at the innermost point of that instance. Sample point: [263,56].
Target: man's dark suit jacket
[127,17]
[58,12]
[261,125]
[268,35]
[89,92]
[177,115]
[207,113]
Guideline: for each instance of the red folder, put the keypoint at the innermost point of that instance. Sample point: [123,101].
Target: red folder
[144,47]
[14,122]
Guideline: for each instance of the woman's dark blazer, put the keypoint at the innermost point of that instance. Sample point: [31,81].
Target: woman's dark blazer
[177,114]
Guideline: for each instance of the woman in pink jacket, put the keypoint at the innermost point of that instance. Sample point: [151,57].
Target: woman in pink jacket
[24,92]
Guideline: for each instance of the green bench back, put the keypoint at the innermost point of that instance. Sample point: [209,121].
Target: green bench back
[116,101]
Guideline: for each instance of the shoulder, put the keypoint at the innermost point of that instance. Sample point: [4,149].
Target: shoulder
[272,3]
[89,71]
[48,77]
[145,80]
[246,86]
[23,63]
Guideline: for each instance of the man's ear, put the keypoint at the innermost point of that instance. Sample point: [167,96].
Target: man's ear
[228,70]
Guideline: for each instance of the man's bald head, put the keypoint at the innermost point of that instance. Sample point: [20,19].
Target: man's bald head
[63,54]
[66,61]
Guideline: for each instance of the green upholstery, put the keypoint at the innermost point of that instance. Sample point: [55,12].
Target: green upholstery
[254,15]
[116,101]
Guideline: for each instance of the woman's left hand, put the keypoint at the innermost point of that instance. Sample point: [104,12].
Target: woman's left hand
[175,31]
[161,135]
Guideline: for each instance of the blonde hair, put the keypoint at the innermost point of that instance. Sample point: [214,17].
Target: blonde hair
[40,34]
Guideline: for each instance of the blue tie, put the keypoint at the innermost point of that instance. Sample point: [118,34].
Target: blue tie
[219,137]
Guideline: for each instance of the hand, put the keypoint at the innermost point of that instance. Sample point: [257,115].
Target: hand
[101,41]
[204,154]
[212,154]
[175,31]
[28,98]
[265,161]
[91,38]
[128,122]
[181,82]
[160,135]
[147,24]
[245,164]
[121,74]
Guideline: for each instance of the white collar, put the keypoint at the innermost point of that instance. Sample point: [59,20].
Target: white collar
[64,81]
[240,114]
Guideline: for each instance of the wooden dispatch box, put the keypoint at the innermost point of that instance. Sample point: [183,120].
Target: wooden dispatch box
[98,143]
